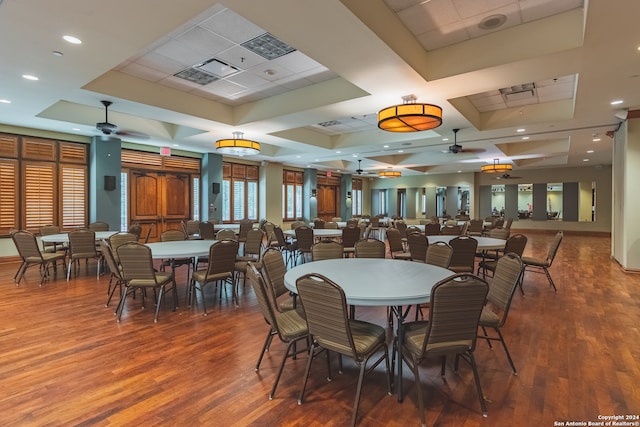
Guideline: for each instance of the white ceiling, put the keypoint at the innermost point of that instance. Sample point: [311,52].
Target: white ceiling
[558,63]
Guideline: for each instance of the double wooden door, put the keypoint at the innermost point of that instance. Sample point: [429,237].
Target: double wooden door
[159,201]
[328,202]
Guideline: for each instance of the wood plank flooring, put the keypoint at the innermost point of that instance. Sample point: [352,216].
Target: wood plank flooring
[64,360]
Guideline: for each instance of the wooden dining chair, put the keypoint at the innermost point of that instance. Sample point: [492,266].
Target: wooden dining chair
[31,255]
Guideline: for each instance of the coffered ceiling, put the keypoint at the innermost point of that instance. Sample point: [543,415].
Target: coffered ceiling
[527,82]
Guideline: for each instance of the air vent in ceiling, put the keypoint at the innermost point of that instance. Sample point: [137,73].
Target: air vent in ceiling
[196,76]
[519,92]
[329,123]
[207,72]
[268,46]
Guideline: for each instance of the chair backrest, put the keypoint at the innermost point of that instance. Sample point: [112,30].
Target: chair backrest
[353,222]
[274,268]
[366,232]
[499,233]
[336,219]
[137,264]
[172,236]
[402,228]
[507,223]
[424,221]
[412,229]
[439,253]
[553,248]
[245,226]
[268,228]
[374,222]
[253,245]
[506,278]
[27,245]
[279,235]
[325,308]
[418,244]
[262,295]
[464,253]
[193,227]
[499,223]
[297,224]
[136,230]
[456,304]
[350,235]
[109,256]
[225,234]
[82,243]
[206,230]
[475,225]
[451,230]
[370,248]
[432,229]
[119,239]
[222,257]
[304,236]
[395,241]
[516,244]
[331,225]
[327,250]
[99,226]
[318,224]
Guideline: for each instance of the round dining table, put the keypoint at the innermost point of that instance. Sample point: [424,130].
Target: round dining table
[319,233]
[377,282]
[484,243]
[64,237]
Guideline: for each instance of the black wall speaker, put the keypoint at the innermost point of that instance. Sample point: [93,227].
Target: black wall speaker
[109,182]
[215,188]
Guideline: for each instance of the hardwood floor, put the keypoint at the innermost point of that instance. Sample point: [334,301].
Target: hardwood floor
[64,360]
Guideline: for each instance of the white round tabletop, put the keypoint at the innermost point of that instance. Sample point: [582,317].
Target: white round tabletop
[64,237]
[375,281]
[326,232]
[484,243]
[180,249]
[218,227]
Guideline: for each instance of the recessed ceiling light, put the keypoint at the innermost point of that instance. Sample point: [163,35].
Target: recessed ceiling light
[5,101]
[596,139]
[297,157]
[400,151]
[445,139]
[525,137]
[385,146]
[585,160]
[589,151]
[617,102]
[76,129]
[29,77]
[72,39]
[57,53]
[338,152]
[459,171]
[520,130]
[176,145]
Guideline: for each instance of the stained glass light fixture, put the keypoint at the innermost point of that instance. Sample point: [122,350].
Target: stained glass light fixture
[237,145]
[410,116]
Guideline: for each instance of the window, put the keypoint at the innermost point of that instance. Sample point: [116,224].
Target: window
[73,180]
[291,195]
[195,185]
[42,182]
[356,197]
[382,202]
[239,192]
[124,206]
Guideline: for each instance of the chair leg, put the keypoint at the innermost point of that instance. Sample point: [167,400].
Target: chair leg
[476,376]
[354,417]
[20,273]
[265,347]
[416,375]
[306,373]
[546,271]
[287,353]
[506,350]
[160,293]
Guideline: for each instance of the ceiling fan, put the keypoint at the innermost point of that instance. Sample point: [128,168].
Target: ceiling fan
[107,128]
[359,171]
[507,176]
[457,148]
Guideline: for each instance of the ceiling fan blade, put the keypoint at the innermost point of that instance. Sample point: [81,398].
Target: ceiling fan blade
[132,134]
[473,150]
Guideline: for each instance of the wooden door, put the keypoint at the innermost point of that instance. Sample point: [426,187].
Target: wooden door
[327,202]
[159,201]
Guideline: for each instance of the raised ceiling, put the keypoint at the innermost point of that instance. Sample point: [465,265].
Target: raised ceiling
[307,78]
